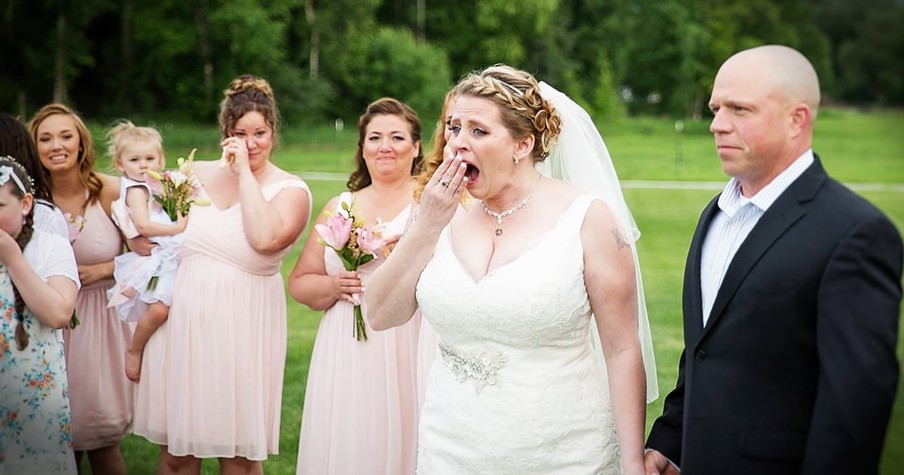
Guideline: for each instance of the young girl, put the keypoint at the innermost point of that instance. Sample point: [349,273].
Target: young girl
[38,288]
[144,284]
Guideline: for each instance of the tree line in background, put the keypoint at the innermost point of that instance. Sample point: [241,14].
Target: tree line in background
[328,59]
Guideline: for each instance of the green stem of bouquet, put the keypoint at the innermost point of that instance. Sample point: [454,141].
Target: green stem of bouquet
[360,332]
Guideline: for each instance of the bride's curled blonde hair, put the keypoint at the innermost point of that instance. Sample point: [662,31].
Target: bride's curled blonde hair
[524,111]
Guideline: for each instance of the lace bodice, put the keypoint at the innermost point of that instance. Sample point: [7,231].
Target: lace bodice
[513,305]
[516,388]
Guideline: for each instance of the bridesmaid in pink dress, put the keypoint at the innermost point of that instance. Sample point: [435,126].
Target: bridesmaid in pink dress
[360,408]
[212,375]
[99,393]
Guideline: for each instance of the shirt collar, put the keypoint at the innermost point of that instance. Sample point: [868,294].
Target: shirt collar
[731,199]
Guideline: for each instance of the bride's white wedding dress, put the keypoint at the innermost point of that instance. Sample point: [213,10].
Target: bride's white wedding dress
[517,387]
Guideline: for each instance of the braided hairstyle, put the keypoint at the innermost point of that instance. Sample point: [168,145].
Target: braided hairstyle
[523,110]
[248,93]
[360,178]
[22,240]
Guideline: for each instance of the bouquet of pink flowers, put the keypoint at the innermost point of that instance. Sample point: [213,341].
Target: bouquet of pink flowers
[176,190]
[356,244]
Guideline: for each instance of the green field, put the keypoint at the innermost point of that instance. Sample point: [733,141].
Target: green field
[856,148]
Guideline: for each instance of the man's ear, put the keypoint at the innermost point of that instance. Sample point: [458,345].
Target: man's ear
[801,118]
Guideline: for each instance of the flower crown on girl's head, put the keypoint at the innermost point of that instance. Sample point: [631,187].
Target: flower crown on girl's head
[7,164]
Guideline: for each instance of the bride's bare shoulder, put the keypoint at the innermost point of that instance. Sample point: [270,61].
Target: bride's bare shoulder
[562,195]
[560,192]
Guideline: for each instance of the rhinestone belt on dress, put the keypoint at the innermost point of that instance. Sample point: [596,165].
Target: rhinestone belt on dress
[480,367]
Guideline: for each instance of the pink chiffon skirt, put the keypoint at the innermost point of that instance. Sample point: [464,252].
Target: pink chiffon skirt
[360,408]
[100,395]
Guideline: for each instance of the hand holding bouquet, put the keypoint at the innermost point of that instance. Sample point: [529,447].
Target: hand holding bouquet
[176,190]
[356,244]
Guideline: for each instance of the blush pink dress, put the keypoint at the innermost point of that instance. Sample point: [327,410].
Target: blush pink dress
[360,407]
[212,375]
[100,395]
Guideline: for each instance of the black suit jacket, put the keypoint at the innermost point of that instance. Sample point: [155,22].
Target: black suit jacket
[795,371]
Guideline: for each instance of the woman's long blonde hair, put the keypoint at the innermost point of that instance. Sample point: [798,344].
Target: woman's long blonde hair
[86,153]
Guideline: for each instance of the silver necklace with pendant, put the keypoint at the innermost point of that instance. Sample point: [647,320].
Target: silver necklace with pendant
[505,213]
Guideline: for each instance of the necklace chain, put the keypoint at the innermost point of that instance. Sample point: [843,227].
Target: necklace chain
[509,211]
[505,213]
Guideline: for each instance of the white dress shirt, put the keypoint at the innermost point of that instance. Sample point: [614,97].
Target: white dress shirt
[731,225]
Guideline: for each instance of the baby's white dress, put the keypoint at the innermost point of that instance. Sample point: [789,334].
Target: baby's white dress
[142,280]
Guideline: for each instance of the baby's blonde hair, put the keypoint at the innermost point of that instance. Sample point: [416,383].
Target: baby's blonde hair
[125,132]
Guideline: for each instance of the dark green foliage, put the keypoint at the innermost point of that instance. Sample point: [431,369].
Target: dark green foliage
[392,63]
[171,59]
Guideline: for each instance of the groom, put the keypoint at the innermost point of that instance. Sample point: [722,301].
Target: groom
[791,297]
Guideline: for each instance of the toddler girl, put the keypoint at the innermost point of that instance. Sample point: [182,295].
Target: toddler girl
[144,284]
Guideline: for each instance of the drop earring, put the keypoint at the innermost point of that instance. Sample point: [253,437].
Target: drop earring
[517,160]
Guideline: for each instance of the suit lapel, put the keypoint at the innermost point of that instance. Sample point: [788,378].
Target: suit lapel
[784,212]
[693,297]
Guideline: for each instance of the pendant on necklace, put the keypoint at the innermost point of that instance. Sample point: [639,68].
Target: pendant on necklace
[505,213]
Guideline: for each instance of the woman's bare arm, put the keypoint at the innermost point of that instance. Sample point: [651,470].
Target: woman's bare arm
[391,289]
[612,288]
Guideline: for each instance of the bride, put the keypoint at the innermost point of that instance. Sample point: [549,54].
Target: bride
[535,291]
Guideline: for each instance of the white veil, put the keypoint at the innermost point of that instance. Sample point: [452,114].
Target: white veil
[580,157]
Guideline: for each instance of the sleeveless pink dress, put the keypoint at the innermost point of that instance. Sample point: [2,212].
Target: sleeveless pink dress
[100,395]
[360,408]
[212,375]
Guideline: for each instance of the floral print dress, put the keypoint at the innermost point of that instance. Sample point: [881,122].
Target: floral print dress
[35,427]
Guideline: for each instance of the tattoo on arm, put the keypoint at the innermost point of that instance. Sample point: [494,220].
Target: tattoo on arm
[619,240]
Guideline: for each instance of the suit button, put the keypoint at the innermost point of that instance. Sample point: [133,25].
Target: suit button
[700,355]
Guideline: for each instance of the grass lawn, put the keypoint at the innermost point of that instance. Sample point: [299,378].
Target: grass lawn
[856,147]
